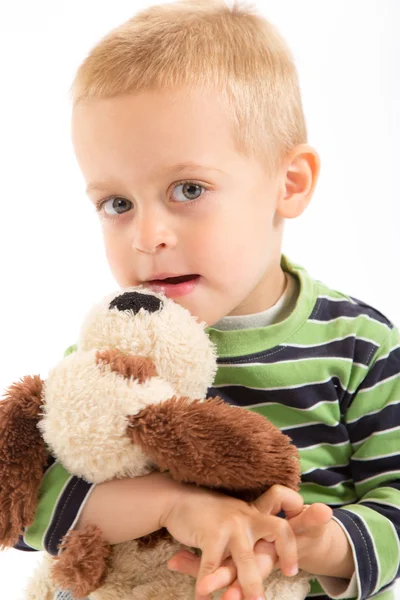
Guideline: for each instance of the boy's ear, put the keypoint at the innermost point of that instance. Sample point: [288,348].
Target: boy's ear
[300,171]
[23,457]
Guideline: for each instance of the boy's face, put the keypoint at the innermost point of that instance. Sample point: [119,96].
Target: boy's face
[215,224]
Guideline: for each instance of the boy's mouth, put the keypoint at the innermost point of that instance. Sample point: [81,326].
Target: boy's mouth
[175,280]
[176,286]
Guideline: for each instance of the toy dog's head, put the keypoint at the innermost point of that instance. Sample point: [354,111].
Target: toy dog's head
[136,348]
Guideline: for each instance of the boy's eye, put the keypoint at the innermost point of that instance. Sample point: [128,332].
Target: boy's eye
[190,191]
[117,204]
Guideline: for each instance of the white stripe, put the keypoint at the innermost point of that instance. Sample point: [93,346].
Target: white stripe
[294,360]
[356,444]
[308,425]
[56,503]
[324,444]
[373,545]
[378,501]
[332,486]
[304,409]
[373,387]
[361,481]
[81,508]
[388,589]
[375,457]
[283,387]
[373,412]
[337,299]
[357,570]
[344,318]
[339,339]
[324,468]
[395,565]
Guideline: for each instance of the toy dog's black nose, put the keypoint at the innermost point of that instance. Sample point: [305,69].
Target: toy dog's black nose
[135,301]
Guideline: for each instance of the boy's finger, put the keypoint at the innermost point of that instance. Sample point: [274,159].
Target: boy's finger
[266,558]
[234,592]
[211,558]
[279,532]
[249,576]
[279,498]
[315,516]
[185,562]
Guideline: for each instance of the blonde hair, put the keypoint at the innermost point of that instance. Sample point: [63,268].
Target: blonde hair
[205,44]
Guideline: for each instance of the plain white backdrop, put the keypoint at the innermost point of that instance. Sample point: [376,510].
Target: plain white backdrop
[52,262]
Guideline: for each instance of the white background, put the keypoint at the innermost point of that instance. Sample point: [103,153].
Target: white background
[52,261]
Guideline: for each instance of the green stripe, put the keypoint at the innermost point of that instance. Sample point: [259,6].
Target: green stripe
[385,539]
[364,488]
[287,416]
[343,493]
[324,455]
[293,374]
[53,483]
[384,494]
[313,331]
[70,350]
[387,442]
[377,397]
[385,595]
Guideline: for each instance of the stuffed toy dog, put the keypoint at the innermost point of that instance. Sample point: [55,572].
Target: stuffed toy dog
[129,401]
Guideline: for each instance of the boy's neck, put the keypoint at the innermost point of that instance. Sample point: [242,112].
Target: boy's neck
[265,295]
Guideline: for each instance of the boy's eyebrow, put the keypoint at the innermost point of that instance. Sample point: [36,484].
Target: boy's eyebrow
[173,170]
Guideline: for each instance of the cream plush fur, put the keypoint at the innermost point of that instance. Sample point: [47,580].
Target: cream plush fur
[85,421]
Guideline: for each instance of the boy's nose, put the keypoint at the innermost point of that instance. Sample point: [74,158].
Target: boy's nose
[134,301]
[153,232]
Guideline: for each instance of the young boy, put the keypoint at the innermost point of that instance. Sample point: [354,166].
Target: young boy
[188,128]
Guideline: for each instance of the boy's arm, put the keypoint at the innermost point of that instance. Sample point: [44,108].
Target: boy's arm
[372,525]
[61,499]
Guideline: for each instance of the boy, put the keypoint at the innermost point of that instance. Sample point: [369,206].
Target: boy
[188,128]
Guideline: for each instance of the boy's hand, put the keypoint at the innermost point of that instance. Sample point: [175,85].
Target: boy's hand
[222,526]
[307,522]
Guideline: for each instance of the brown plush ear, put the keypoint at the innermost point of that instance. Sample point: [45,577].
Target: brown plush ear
[217,445]
[23,456]
[82,565]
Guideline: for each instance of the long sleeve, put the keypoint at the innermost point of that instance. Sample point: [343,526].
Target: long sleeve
[372,525]
[61,499]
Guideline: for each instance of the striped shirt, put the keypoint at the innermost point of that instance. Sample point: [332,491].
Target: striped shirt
[329,377]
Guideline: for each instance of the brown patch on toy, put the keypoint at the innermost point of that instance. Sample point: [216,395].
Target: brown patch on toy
[82,565]
[138,367]
[153,539]
[23,457]
[217,445]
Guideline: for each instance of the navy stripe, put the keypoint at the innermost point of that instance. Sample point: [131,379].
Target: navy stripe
[367,567]
[68,506]
[326,310]
[303,397]
[319,433]
[371,311]
[387,418]
[383,369]
[393,484]
[359,351]
[20,545]
[390,512]
[327,477]
[363,469]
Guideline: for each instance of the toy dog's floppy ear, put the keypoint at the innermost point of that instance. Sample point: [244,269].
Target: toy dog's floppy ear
[217,445]
[23,456]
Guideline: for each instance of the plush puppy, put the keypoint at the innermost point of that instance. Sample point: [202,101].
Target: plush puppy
[131,400]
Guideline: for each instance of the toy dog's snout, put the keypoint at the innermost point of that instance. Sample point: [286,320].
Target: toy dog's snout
[134,301]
